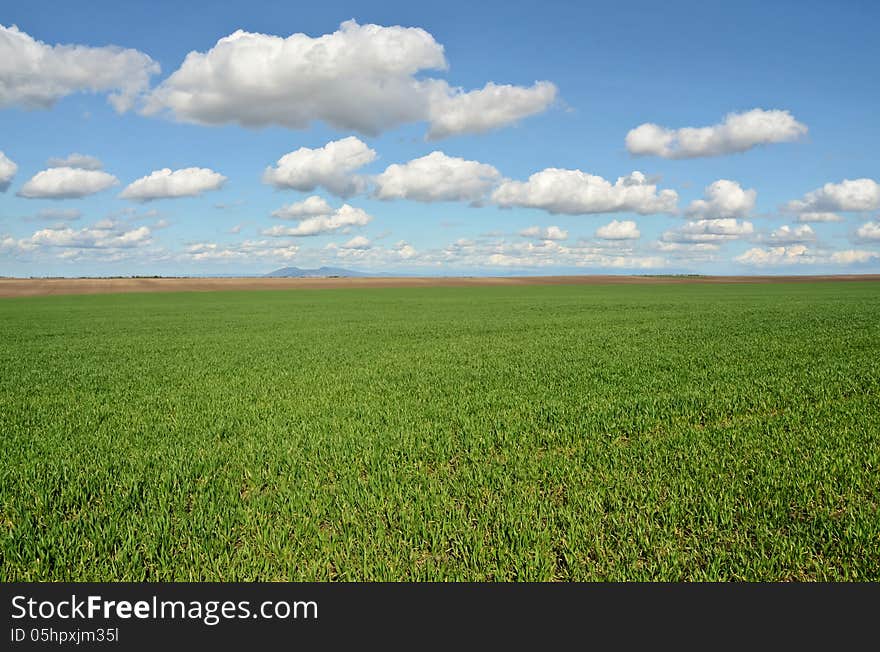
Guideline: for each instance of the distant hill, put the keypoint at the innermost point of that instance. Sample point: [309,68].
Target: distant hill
[296,272]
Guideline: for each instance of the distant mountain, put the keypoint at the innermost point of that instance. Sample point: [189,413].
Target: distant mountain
[321,272]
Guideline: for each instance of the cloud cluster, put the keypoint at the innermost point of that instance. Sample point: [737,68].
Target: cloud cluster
[691,252]
[802,255]
[35,75]
[264,250]
[362,78]
[7,171]
[716,230]
[869,231]
[549,233]
[98,236]
[723,199]
[343,217]
[848,195]
[465,254]
[552,254]
[166,184]
[456,113]
[437,177]
[573,192]
[786,235]
[357,242]
[66,183]
[361,252]
[738,132]
[310,207]
[619,230]
[330,167]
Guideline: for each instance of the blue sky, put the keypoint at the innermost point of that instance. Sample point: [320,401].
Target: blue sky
[781,179]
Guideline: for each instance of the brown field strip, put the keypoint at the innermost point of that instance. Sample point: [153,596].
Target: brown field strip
[13,287]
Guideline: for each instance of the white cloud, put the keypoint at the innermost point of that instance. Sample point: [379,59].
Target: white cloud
[802,255]
[81,161]
[737,133]
[330,166]
[66,183]
[35,75]
[818,217]
[362,78]
[550,233]
[263,250]
[454,113]
[853,257]
[61,214]
[357,242]
[310,207]
[11,246]
[437,177]
[869,231]
[541,254]
[575,193]
[106,234]
[719,230]
[723,199]
[692,252]
[848,195]
[167,184]
[375,257]
[7,171]
[623,230]
[785,235]
[343,217]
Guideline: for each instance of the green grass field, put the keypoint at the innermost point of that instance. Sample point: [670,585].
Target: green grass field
[675,432]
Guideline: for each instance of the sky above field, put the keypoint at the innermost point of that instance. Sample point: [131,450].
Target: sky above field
[444,138]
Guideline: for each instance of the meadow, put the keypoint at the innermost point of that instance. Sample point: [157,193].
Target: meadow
[622,432]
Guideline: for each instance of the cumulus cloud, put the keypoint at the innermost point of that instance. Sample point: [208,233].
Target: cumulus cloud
[573,192]
[785,235]
[168,184]
[7,171]
[362,78]
[357,242]
[723,199]
[310,207]
[330,166]
[455,113]
[437,177]
[343,217]
[623,230]
[718,230]
[550,233]
[802,255]
[869,231]
[738,132]
[848,195]
[35,75]
[81,161]
[66,183]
